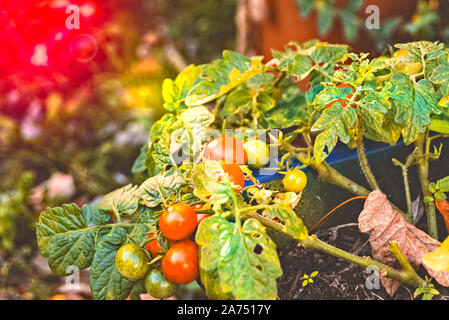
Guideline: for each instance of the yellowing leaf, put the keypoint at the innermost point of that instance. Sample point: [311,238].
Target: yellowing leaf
[438,259]
[224,75]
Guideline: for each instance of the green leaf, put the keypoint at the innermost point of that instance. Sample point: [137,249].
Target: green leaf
[291,108]
[140,162]
[414,103]
[64,236]
[374,107]
[293,63]
[96,216]
[440,123]
[154,190]
[224,75]
[332,127]
[206,184]
[420,49]
[329,53]
[245,102]
[246,258]
[351,22]
[305,7]
[212,286]
[326,15]
[292,224]
[194,124]
[123,201]
[106,282]
[155,158]
[175,92]
[443,184]
[159,155]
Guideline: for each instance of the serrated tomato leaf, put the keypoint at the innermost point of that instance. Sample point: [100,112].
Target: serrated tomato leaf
[222,76]
[106,282]
[292,224]
[414,105]
[175,91]
[332,127]
[65,237]
[123,201]
[206,183]
[245,259]
[154,190]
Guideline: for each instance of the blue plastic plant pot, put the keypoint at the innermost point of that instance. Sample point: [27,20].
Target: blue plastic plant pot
[319,198]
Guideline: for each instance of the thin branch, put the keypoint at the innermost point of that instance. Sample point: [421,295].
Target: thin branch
[363,158]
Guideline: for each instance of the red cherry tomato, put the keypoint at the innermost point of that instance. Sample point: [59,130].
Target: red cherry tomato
[235,175]
[226,149]
[178,221]
[153,246]
[343,102]
[180,263]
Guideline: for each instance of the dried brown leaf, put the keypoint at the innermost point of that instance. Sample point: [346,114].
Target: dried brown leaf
[385,225]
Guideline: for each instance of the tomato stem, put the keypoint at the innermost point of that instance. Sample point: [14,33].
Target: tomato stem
[405,275]
[423,146]
[363,158]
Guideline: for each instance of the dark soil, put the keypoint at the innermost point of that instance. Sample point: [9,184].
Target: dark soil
[336,279]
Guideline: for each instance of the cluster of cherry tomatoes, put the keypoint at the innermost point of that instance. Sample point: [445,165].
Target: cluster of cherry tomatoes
[179,263]
[177,223]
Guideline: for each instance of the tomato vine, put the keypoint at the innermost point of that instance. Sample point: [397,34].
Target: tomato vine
[351,98]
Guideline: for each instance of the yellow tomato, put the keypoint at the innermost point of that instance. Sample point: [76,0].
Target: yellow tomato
[258,153]
[406,68]
[295,180]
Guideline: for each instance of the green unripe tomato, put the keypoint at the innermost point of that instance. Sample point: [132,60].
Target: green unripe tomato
[158,286]
[258,153]
[295,180]
[132,261]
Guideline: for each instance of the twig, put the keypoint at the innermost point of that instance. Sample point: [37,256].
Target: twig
[404,166]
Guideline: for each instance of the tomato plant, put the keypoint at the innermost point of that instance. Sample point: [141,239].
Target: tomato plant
[255,99]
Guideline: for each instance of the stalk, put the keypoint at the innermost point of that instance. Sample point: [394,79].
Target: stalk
[422,145]
[406,275]
[363,158]
[329,175]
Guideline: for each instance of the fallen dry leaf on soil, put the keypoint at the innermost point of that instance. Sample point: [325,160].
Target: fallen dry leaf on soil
[443,207]
[385,225]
